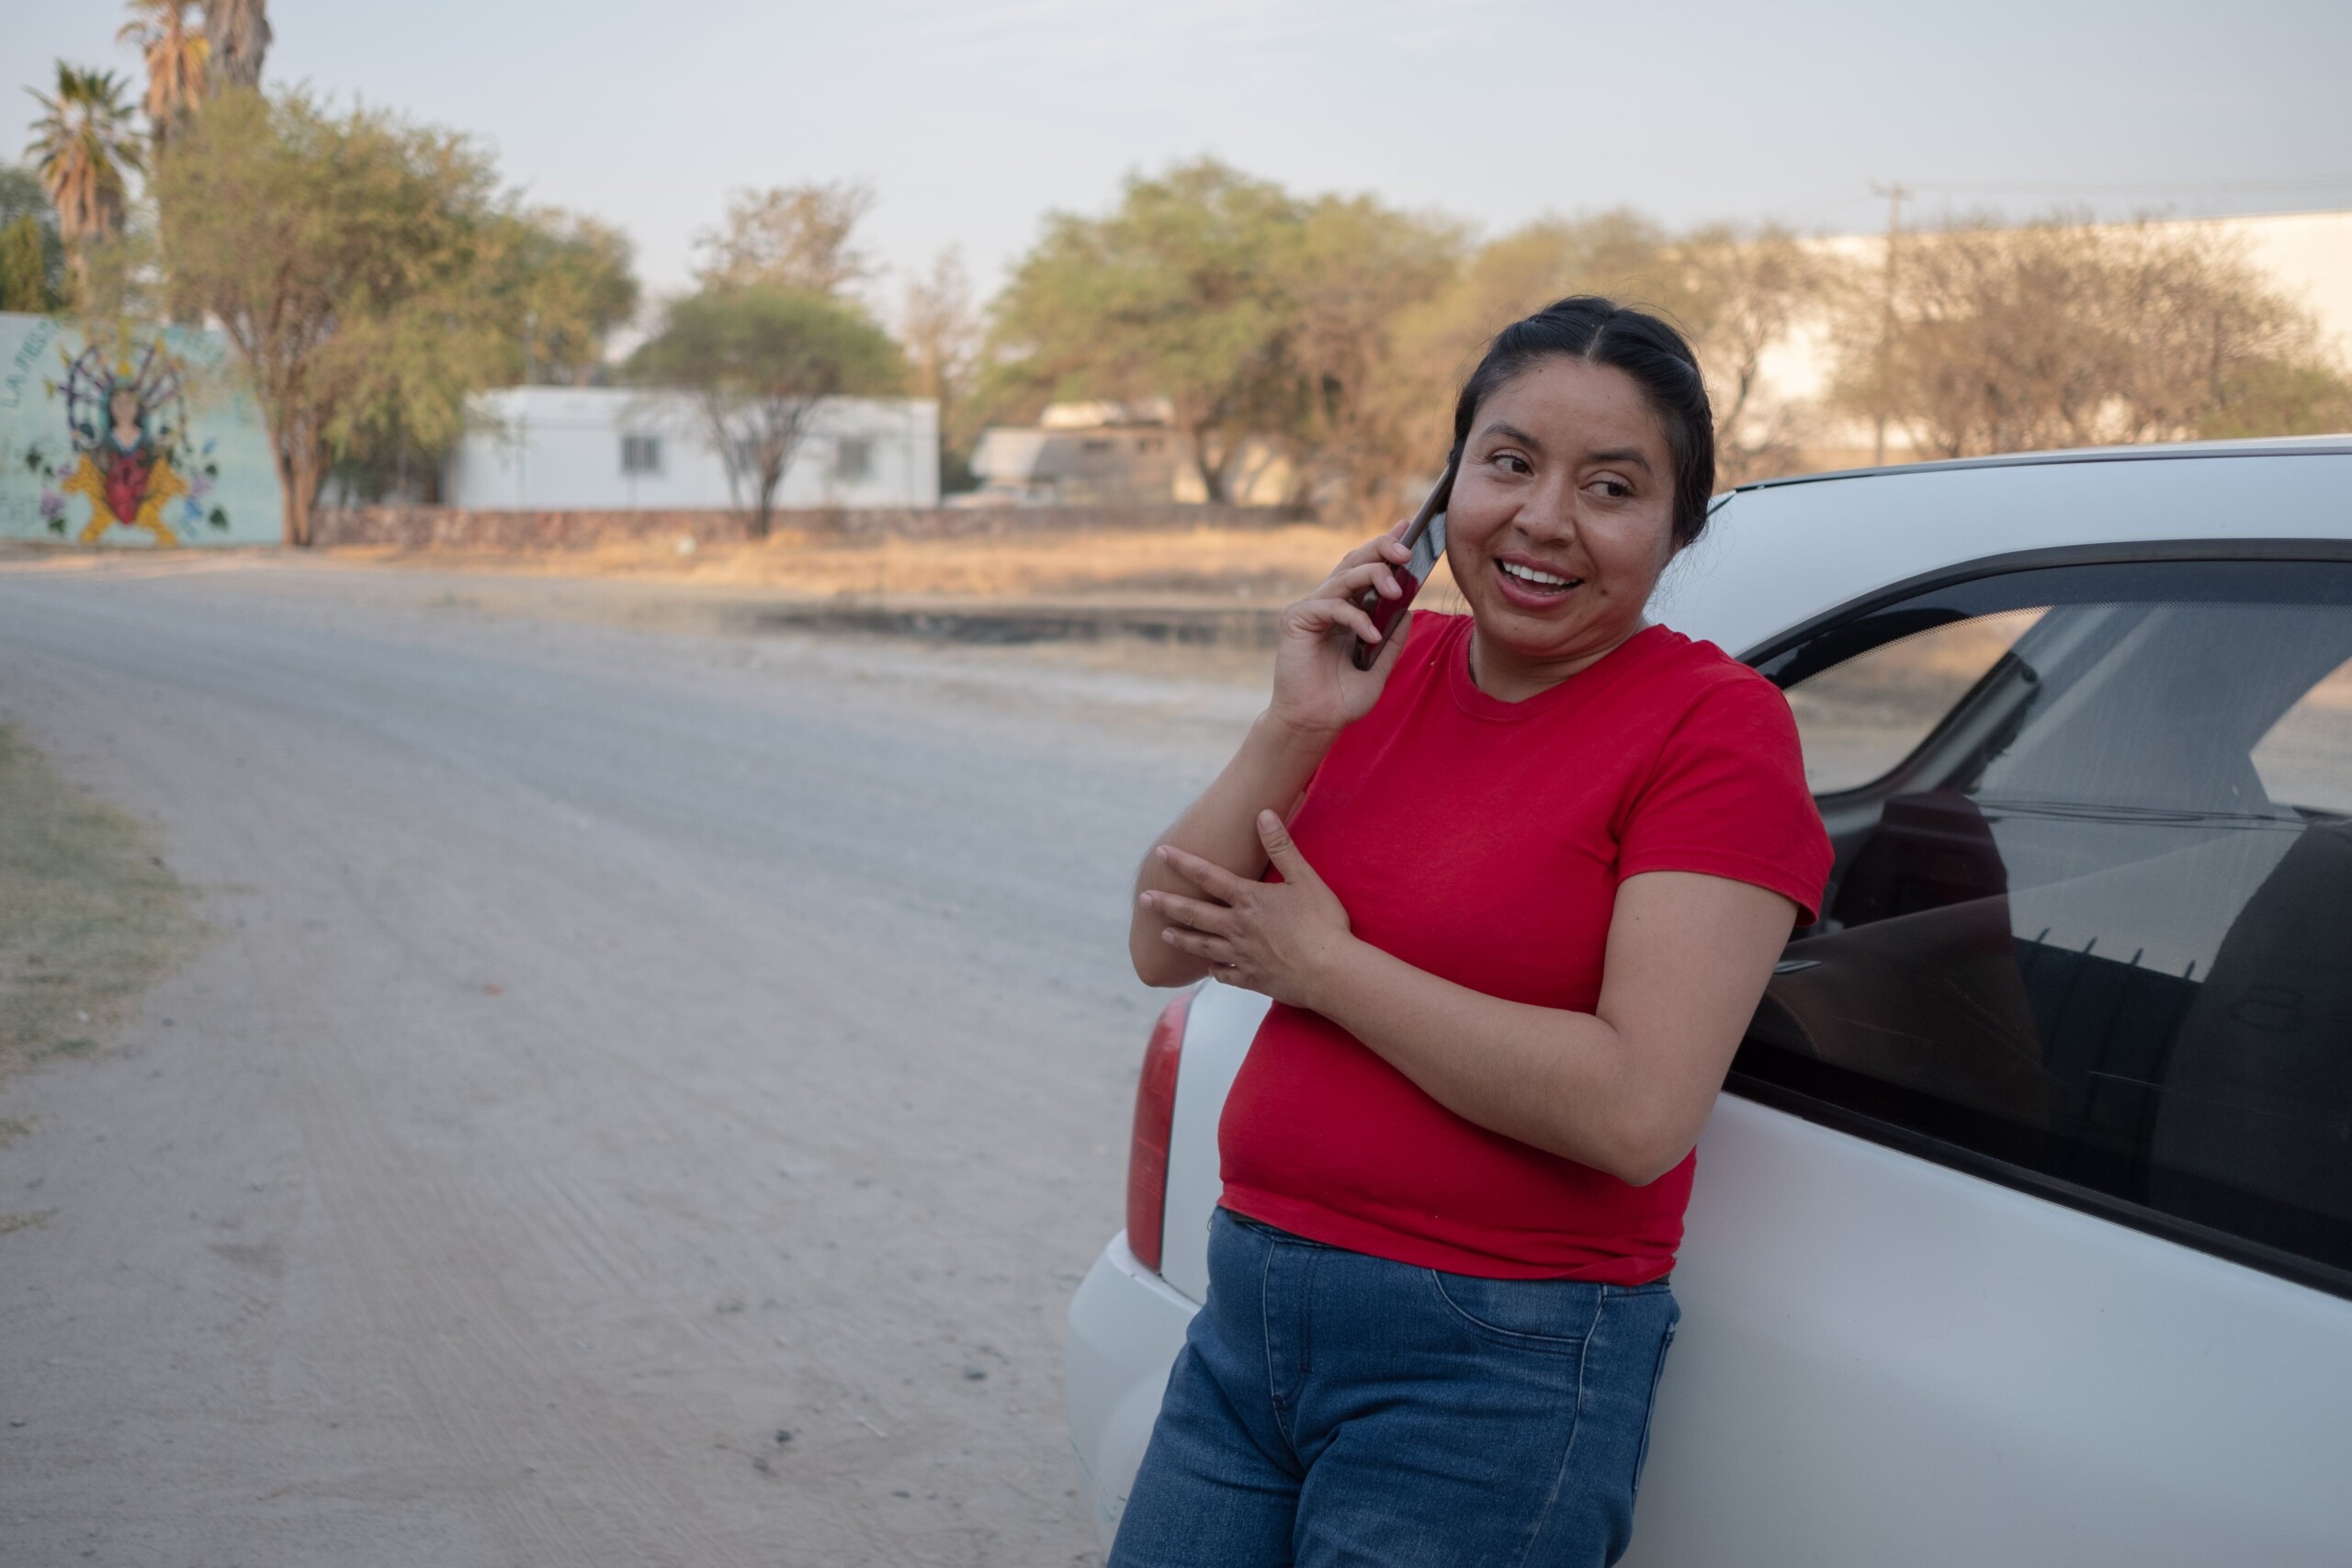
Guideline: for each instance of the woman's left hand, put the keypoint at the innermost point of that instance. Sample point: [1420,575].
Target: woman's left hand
[1281,938]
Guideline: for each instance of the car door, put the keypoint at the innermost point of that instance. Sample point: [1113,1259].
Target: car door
[2024,1235]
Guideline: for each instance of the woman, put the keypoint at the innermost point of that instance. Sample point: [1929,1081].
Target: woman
[1538,863]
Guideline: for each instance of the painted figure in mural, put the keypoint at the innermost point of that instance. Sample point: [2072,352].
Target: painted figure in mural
[129,424]
[121,421]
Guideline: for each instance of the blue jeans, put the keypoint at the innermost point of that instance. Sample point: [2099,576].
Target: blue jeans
[1333,1408]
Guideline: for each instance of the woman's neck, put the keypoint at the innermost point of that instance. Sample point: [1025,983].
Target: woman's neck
[1508,678]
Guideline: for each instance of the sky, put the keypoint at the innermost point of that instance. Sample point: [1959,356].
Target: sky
[972,121]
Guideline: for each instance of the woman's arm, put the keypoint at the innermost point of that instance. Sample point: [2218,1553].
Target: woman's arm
[1317,692]
[1269,772]
[1624,1088]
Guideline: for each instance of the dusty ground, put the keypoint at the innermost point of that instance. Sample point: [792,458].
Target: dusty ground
[89,916]
[619,1046]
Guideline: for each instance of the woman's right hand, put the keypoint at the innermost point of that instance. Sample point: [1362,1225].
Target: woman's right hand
[1317,688]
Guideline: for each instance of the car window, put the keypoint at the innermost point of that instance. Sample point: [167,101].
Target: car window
[1861,717]
[2091,918]
[2307,756]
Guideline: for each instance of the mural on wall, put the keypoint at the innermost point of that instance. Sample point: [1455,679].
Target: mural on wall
[140,441]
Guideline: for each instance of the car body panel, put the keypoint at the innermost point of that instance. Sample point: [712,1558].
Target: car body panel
[1884,1359]
[1217,1037]
[1779,554]
[1125,1327]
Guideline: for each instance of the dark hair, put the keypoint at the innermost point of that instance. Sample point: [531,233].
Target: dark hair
[1601,331]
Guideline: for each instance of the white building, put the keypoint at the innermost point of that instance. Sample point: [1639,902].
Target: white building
[599,449]
[1103,453]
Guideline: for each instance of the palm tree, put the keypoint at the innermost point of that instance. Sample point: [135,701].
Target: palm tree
[80,148]
[239,33]
[176,55]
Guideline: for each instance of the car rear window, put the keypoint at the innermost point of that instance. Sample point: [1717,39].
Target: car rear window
[2090,929]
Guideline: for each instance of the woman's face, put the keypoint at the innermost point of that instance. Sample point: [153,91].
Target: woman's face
[1560,522]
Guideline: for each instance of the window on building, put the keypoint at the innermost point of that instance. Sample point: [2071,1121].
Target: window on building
[2091,921]
[853,459]
[640,454]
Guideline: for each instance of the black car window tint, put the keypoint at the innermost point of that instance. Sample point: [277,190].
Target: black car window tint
[2090,926]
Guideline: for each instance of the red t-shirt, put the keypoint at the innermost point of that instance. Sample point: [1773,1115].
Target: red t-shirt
[1484,840]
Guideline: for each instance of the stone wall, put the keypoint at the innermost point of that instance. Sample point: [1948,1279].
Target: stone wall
[457,528]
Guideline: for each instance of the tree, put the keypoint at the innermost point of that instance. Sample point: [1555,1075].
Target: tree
[566,281]
[2063,332]
[758,362]
[1741,292]
[1733,293]
[1176,294]
[343,255]
[548,287]
[942,333]
[1350,271]
[82,146]
[174,55]
[32,259]
[23,286]
[790,237]
[240,35]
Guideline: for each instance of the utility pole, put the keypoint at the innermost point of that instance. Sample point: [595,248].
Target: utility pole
[1894,194]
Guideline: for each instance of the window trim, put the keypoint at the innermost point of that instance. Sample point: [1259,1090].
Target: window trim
[2211,1240]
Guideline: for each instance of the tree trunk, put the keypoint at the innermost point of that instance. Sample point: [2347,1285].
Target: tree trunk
[769,481]
[301,475]
[1212,474]
[294,519]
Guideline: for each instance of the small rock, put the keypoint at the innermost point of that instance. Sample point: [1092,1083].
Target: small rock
[18,1421]
[783,1435]
[975,1373]
[759,1462]
[899,1493]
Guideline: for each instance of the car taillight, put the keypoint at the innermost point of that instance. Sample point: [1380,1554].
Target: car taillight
[1154,1113]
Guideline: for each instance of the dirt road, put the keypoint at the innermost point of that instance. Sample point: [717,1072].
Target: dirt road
[616,1049]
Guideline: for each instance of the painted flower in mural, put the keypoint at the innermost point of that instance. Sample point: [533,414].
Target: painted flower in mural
[132,460]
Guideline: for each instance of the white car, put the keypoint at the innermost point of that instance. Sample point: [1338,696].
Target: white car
[2023,1230]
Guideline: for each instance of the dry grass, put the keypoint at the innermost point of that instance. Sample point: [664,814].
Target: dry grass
[1258,564]
[89,916]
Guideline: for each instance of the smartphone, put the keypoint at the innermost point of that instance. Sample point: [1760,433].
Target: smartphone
[1425,536]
